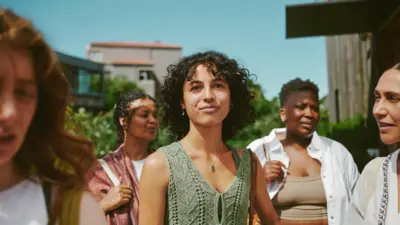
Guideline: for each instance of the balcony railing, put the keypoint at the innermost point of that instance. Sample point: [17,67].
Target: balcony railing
[87,100]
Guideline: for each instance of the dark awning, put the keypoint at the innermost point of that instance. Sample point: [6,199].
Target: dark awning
[335,18]
[81,63]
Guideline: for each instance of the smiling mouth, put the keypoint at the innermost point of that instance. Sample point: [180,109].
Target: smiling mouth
[383,125]
[209,109]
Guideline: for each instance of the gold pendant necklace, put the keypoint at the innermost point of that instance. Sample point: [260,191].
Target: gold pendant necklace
[213,164]
[213,168]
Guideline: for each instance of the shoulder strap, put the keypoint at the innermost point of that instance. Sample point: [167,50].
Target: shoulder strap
[109,172]
[236,157]
[253,185]
[46,187]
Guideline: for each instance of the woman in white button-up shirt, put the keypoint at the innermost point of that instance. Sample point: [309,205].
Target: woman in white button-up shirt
[310,178]
[376,196]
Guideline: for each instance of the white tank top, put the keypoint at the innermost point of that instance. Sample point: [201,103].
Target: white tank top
[23,204]
[138,165]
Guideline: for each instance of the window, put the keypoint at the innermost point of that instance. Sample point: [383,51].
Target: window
[96,56]
[72,75]
[83,86]
[145,75]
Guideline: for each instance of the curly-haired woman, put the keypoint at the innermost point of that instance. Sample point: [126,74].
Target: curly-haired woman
[199,179]
[42,167]
[136,121]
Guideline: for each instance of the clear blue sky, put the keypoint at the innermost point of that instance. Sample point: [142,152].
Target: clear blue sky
[253,33]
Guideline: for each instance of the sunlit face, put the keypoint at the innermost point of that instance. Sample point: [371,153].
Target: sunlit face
[300,113]
[143,124]
[18,100]
[387,106]
[206,99]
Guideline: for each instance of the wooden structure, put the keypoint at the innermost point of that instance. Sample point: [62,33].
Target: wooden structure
[362,42]
[86,80]
[349,74]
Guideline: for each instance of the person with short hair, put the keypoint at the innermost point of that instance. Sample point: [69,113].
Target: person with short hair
[310,178]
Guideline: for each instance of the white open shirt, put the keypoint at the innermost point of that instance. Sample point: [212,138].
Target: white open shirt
[339,173]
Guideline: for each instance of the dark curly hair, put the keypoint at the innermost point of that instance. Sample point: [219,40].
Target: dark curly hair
[122,110]
[220,66]
[295,86]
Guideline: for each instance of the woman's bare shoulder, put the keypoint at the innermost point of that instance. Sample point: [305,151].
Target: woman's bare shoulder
[156,160]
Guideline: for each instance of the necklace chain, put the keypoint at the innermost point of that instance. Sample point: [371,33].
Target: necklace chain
[215,161]
[212,165]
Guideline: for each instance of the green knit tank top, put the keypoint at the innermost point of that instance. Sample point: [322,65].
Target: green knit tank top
[191,199]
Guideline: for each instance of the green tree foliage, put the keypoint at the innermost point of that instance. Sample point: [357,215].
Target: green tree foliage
[324,123]
[355,136]
[113,88]
[266,118]
[98,128]
[352,133]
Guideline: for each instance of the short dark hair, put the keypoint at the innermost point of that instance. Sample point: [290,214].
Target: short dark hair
[122,110]
[219,65]
[295,86]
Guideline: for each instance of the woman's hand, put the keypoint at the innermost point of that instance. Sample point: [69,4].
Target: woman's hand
[117,196]
[273,171]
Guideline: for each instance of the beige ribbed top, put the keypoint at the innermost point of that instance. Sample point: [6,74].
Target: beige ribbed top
[301,198]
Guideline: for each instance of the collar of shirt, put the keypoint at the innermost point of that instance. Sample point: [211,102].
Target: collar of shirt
[275,145]
[273,148]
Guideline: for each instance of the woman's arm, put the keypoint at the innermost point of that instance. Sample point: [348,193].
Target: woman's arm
[153,188]
[264,207]
[91,213]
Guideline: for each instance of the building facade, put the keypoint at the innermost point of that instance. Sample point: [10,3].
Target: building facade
[142,63]
[86,80]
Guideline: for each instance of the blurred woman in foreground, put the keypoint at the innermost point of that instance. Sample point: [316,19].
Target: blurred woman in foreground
[42,167]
